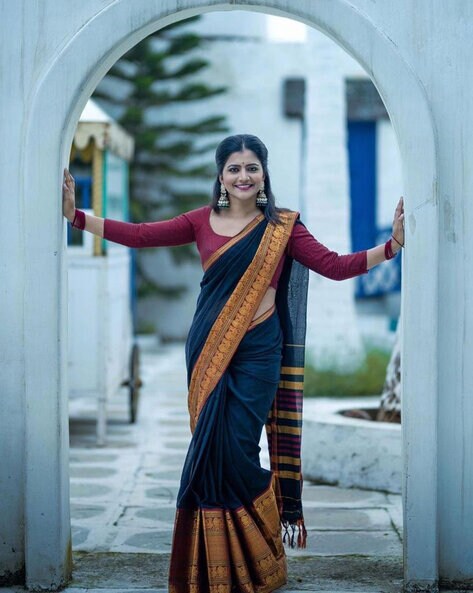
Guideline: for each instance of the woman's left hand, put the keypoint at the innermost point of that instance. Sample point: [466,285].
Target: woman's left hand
[398,226]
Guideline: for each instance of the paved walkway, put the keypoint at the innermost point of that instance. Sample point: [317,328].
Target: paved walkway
[123,500]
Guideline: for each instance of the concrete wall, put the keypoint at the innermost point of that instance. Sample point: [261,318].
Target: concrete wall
[419,57]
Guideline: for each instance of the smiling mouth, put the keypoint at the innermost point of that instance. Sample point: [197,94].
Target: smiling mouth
[244,186]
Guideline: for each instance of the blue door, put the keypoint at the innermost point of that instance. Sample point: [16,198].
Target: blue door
[364,232]
[362,157]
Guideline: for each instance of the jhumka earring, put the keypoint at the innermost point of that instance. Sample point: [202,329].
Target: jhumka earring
[223,201]
[261,198]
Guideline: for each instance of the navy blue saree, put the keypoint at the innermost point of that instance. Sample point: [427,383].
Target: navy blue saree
[227,534]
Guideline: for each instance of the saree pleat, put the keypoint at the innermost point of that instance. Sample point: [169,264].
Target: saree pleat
[227,533]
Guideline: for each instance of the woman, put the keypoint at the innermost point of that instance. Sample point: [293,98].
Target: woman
[245,359]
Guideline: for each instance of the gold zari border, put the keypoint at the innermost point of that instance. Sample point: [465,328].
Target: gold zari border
[224,551]
[236,315]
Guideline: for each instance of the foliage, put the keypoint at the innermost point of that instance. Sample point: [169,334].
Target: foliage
[172,162]
[145,328]
[367,379]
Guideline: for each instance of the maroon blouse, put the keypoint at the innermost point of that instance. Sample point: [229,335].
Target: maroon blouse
[195,226]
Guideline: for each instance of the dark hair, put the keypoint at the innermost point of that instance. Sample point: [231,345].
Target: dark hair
[238,143]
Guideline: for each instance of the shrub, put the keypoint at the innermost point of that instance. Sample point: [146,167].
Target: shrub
[367,379]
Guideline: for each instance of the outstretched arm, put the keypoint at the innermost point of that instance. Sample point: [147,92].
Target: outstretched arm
[307,250]
[177,231]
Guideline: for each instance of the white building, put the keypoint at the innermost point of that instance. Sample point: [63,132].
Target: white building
[257,57]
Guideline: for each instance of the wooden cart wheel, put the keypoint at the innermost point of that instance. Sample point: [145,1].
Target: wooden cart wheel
[134,382]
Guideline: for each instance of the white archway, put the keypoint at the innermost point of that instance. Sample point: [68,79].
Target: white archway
[61,91]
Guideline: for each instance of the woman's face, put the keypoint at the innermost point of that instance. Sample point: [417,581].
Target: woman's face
[242,175]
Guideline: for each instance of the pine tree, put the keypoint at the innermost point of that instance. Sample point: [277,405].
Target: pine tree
[172,167]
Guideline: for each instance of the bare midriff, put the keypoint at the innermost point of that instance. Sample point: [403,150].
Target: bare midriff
[267,302]
[229,233]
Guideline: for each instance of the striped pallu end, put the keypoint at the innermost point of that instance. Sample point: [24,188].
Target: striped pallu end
[284,430]
[284,425]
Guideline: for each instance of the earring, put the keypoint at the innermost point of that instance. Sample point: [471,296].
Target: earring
[223,201]
[261,198]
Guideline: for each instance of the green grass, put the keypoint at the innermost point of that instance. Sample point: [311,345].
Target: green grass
[145,328]
[368,379]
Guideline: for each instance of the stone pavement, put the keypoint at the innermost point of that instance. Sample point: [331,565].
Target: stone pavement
[123,500]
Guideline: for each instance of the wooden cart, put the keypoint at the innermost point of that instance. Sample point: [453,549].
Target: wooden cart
[102,354]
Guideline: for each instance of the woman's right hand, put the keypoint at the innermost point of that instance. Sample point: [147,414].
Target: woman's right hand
[68,196]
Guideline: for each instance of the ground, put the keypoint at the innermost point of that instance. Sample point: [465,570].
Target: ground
[123,499]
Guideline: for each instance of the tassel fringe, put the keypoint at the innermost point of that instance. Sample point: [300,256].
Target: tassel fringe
[289,534]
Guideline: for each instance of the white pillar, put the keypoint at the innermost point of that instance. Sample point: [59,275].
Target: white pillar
[12,255]
[333,335]
[47,520]
[455,337]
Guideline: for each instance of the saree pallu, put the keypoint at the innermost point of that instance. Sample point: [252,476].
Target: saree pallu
[227,533]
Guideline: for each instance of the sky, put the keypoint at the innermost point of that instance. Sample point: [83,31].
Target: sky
[283,29]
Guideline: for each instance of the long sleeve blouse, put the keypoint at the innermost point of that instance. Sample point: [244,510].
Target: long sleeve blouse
[195,226]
